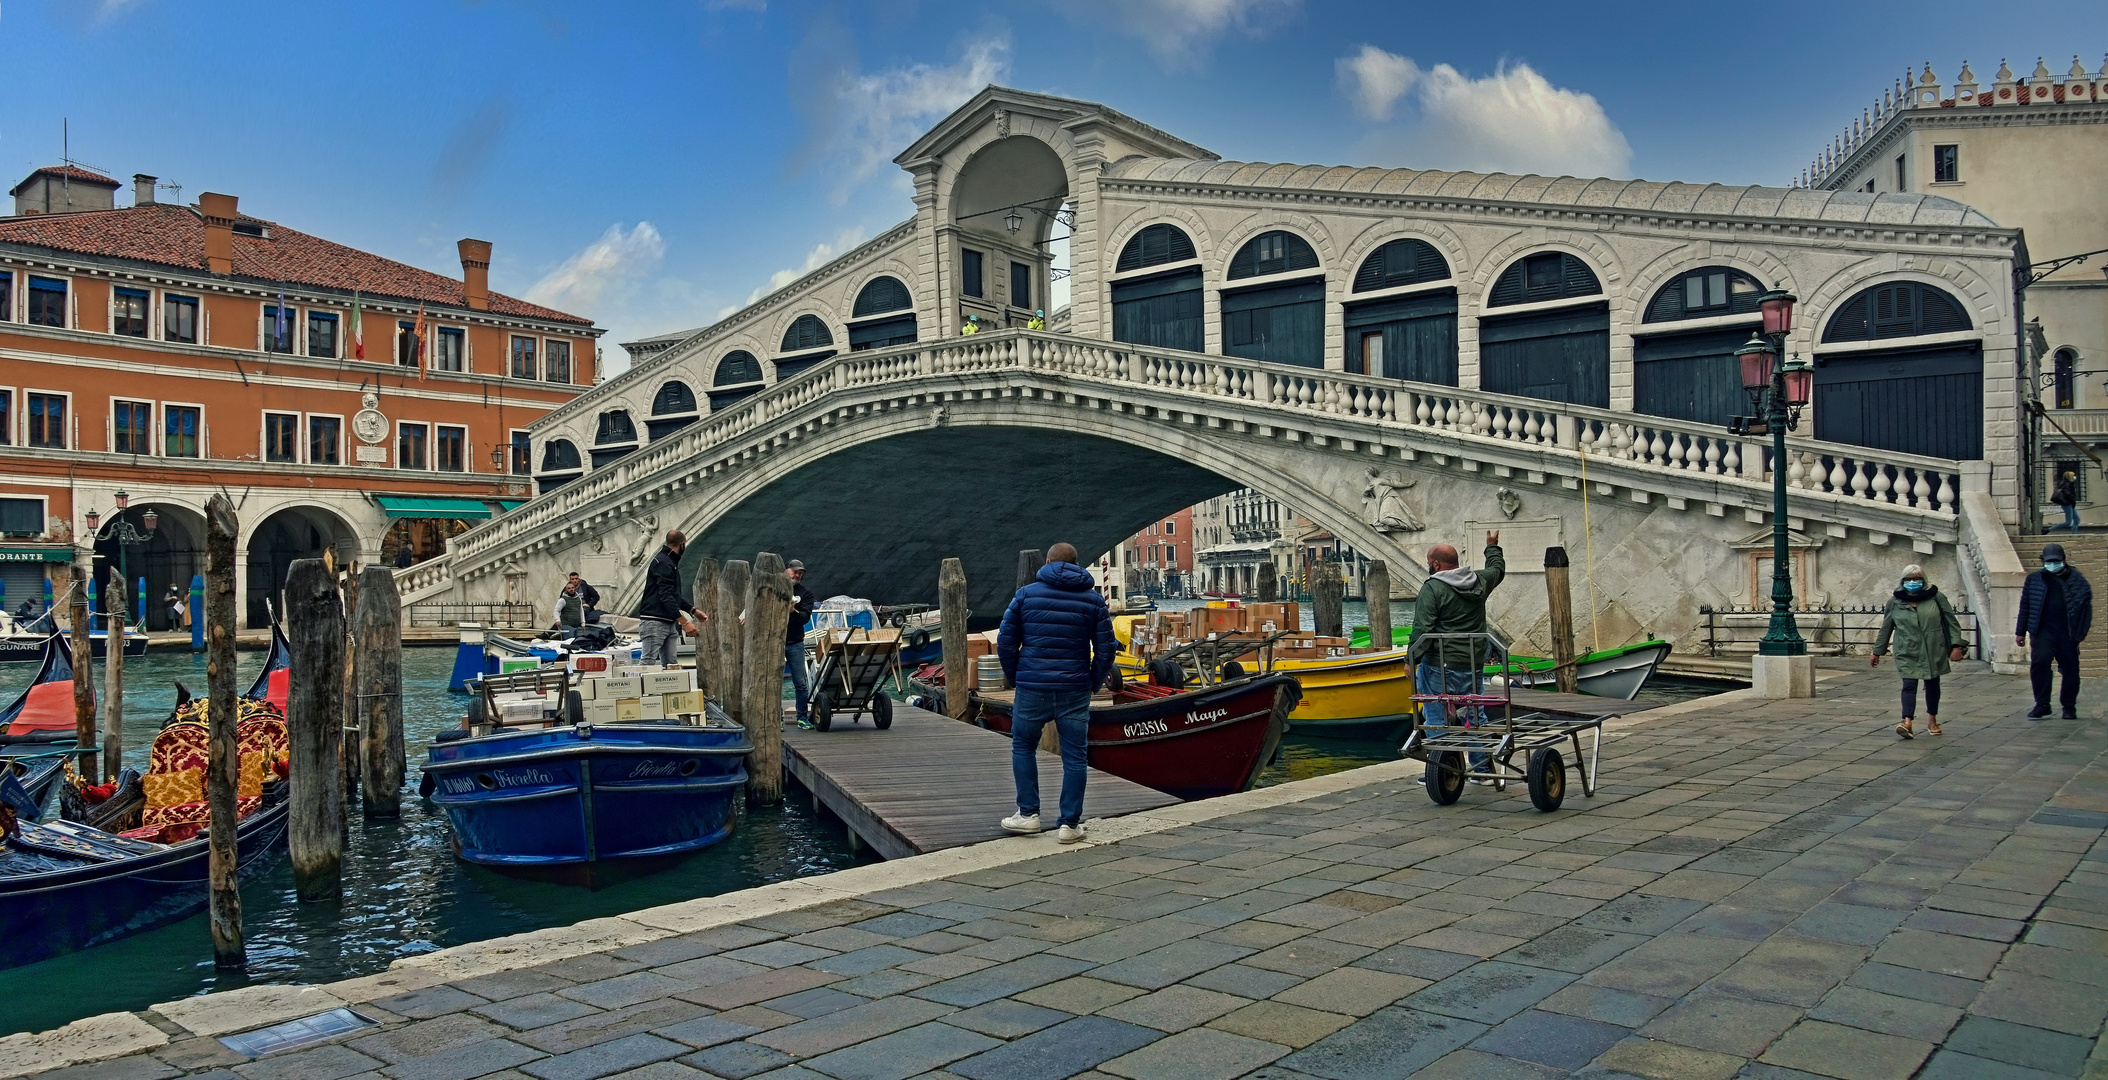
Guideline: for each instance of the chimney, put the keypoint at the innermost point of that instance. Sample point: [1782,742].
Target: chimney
[143,189]
[475,273]
[219,213]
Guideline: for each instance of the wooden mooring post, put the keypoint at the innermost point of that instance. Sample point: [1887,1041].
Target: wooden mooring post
[113,680]
[314,619]
[349,753]
[706,656]
[1559,594]
[1327,591]
[951,610]
[1270,583]
[1376,591]
[735,584]
[77,614]
[379,630]
[768,616]
[223,748]
[1028,563]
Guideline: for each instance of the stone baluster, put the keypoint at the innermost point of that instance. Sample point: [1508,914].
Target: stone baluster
[1919,490]
[1839,479]
[1715,462]
[1796,469]
[1858,481]
[1946,497]
[1883,485]
[1450,416]
[1531,429]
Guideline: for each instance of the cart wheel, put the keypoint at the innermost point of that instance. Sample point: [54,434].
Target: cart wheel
[1547,779]
[821,709]
[1167,673]
[881,711]
[916,638]
[574,708]
[1232,671]
[1445,777]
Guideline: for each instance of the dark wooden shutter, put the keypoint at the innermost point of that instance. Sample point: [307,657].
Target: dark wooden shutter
[674,397]
[1691,377]
[1896,310]
[1557,276]
[807,332]
[1296,254]
[1281,324]
[1669,303]
[1163,310]
[1915,401]
[738,366]
[879,333]
[1399,263]
[1154,246]
[559,455]
[881,295]
[1559,355]
[1419,335]
[615,426]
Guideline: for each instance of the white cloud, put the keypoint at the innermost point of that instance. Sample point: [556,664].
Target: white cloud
[610,264]
[1179,33]
[821,254]
[1513,120]
[861,120]
[1374,80]
[107,10]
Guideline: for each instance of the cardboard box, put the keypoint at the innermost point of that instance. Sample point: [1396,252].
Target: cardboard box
[509,664]
[676,681]
[1283,616]
[679,704]
[1217,621]
[618,689]
[597,663]
[600,712]
[632,671]
[652,707]
[629,709]
[589,689]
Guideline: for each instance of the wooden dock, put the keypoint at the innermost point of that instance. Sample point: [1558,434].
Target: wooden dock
[931,782]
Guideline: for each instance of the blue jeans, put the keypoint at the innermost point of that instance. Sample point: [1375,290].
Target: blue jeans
[1436,679]
[1070,711]
[801,679]
[2071,519]
[661,638]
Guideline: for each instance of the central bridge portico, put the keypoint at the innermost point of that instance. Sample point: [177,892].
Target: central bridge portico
[1406,357]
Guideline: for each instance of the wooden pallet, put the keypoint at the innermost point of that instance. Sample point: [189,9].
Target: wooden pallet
[932,782]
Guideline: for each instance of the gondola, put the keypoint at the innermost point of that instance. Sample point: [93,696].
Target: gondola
[20,646]
[37,729]
[273,681]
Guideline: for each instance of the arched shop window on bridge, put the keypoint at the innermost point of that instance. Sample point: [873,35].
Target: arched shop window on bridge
[1284,322]
[614,436]
[806,334]
[1556,354]
[672,409]
[1163,308]
[1411,336]
[888,300]
[560,465]
[738,376]
[1692,374]
[1914,397]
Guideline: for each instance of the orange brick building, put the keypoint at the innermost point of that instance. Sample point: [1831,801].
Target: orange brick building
[1160,557]
[173,351]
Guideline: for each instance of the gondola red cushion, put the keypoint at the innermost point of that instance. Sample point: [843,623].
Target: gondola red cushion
[49,707]
[276,691]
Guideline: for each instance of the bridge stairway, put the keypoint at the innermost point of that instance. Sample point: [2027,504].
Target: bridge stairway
[2088,553]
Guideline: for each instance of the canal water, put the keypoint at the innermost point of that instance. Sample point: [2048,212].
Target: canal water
[405,893]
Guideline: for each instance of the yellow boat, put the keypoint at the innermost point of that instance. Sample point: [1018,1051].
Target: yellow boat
[1369,696]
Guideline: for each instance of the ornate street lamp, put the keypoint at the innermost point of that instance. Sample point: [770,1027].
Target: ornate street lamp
[122,531]
[1777,394]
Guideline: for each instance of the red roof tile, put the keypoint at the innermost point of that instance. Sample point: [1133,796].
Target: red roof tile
[170,235]
[69,172]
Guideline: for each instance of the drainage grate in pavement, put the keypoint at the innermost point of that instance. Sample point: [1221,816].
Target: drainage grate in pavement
[294,1034]
[2077,819]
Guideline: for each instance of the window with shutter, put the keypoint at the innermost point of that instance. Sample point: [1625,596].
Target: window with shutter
[559,455]
[1705,292]
[737,367]
[674,397]
[615,427]
[1895,310]
[881,295]
[1551,275]
[1399,263]
[1154,246]
[808,332]
[1272,253]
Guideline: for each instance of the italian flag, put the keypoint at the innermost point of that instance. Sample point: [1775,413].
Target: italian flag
[358,330]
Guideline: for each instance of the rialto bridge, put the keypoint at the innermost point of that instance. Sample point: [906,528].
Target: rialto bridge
[1406,357]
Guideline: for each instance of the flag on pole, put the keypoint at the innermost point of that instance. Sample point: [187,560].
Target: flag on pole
[419,333]
[358,330]
[282,331]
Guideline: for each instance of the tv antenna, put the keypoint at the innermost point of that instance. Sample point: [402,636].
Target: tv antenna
[66,159]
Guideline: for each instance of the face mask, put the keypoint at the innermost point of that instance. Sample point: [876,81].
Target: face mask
[2053,567]
[1913,586]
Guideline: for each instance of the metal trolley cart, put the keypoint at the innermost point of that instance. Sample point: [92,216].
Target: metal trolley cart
[1487,747]
[850,680]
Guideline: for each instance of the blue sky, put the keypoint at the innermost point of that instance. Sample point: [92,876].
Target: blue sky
[654,164]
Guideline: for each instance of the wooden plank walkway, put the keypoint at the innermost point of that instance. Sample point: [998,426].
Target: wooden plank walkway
[931,782]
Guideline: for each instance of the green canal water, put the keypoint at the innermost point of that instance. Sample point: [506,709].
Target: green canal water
[405,893]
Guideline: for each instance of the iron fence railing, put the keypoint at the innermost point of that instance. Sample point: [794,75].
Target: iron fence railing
[451,614]
[1830,631]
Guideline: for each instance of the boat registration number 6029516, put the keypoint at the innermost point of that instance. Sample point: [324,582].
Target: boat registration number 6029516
[1145,727]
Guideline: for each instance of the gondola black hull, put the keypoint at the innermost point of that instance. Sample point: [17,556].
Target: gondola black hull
[15,649]
[62,911]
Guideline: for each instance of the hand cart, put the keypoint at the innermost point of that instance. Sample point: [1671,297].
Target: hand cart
[1203,662]
[1484,745]
[851,677]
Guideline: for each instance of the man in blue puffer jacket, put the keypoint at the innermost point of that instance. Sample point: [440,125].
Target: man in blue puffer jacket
[1057,646]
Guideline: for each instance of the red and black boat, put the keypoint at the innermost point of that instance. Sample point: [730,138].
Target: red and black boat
[1195,744]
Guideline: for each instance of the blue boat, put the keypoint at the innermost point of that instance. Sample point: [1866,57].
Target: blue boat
[589,803]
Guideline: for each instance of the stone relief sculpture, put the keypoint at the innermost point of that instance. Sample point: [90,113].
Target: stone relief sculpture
[1509,501]
[1383,504]
[647,529]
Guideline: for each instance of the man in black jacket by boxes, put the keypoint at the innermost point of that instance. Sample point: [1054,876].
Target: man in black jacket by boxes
[666,609]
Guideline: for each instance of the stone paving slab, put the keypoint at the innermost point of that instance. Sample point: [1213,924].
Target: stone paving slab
[1761,889]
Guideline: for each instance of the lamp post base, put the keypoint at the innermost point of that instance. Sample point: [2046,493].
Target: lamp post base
[1783,676]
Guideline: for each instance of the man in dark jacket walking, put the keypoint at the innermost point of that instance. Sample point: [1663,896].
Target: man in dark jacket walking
[794,637]
[2056,609]
[1057,646]
[666,609]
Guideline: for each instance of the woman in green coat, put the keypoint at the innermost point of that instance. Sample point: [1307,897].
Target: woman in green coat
[1921,624]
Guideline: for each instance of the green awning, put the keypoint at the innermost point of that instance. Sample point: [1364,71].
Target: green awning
[509,504]
[401,507]
[36,554]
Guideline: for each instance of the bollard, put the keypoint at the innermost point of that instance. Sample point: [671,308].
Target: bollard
[350,754]
[1270,584]
[768,617]
[1376,590]
[1327,591]
[735,583]
[707,672]
[378,628]
[223,757]
[77,613]
[197,613]
[951,607]
[1559,592]
[113,683]
[314,721]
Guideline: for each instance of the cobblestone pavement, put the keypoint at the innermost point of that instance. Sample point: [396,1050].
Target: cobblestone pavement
[1761,889]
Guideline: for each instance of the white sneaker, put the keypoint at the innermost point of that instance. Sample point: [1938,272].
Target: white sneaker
[1069,834]
[1021,823]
